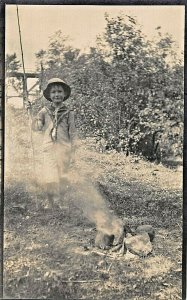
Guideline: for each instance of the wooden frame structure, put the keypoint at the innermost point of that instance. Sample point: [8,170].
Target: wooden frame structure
[24,78]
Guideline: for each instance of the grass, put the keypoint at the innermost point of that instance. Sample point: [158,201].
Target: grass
[44,253]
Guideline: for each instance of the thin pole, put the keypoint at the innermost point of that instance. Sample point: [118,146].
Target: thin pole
[21,46]
[26,91]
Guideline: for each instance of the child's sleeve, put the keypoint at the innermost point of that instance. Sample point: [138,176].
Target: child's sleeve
[72,130]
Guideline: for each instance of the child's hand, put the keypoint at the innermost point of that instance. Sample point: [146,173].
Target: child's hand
[37,125]
[28,105]
[72,161]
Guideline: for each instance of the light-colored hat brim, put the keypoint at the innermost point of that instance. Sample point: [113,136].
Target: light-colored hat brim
[66,88]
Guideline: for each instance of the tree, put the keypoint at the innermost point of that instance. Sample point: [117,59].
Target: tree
[143,82]
[127,90]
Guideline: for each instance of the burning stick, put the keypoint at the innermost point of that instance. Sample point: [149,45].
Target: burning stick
[116,248]
[101,253]
[123,249]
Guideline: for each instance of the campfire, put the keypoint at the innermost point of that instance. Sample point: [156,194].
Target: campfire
[137,242]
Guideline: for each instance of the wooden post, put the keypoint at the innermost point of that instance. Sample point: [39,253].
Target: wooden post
[2,107]
[24,80]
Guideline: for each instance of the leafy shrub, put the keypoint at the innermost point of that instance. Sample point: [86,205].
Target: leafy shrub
[127,92]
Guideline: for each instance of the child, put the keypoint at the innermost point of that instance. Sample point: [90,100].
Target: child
[59,136]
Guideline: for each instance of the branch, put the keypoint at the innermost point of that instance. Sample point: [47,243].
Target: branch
[80,281]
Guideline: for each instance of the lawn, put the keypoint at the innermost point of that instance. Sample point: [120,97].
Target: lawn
[51,254]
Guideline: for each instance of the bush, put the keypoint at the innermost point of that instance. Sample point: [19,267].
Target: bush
[127,92]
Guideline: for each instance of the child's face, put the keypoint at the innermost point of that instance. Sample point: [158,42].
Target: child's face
[57,93]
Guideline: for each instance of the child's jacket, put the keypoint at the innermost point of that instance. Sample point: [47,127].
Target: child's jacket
[61,121]
[59,139]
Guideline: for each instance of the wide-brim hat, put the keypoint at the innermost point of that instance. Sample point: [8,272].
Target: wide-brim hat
[66,88]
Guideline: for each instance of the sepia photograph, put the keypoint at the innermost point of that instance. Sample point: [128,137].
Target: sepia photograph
[93,159]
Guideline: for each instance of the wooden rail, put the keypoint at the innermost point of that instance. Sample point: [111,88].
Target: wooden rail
[20,74]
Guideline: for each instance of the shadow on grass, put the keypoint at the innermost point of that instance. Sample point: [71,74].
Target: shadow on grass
[138,200]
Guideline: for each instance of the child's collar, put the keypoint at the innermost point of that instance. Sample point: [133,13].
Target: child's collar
[60,108]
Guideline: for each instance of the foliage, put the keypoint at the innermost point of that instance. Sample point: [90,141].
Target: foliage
[12,64]
[127,92]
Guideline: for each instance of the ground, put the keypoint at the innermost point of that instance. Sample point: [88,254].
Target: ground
[50,255]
